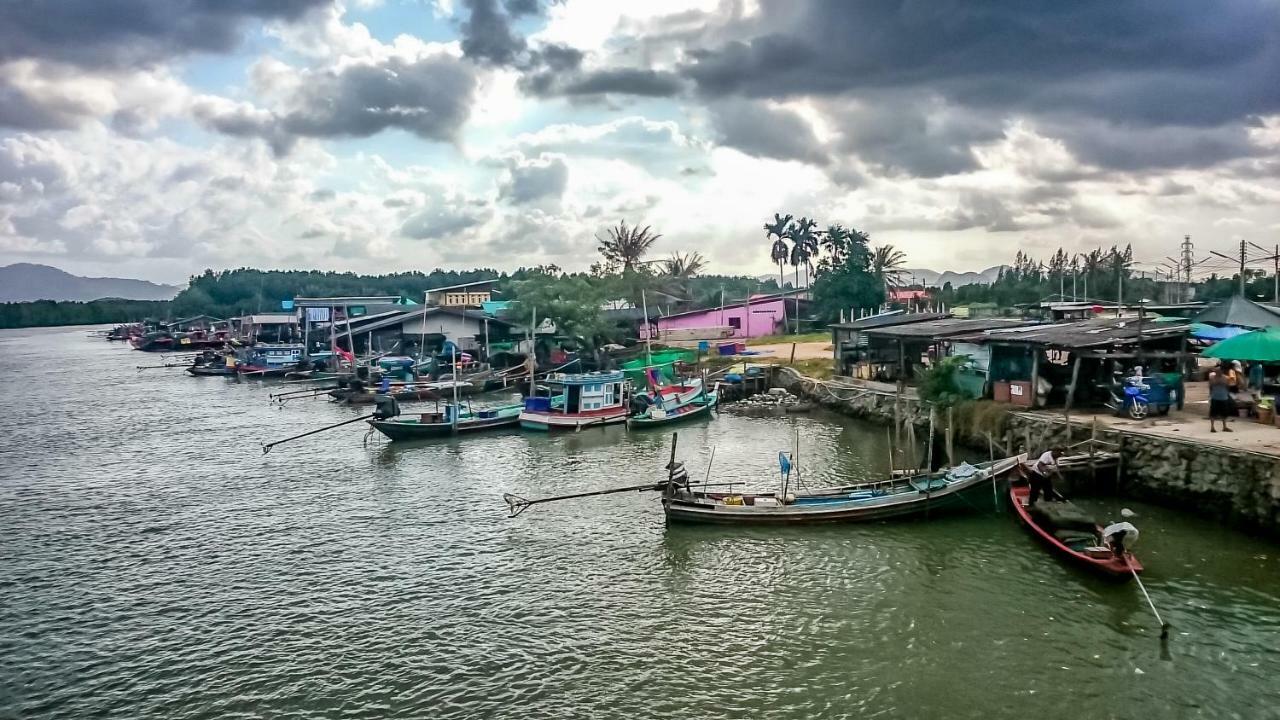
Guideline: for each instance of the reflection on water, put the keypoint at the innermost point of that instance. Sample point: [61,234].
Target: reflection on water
[153,563]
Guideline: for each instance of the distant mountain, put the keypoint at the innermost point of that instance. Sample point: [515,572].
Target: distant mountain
[24,282]
[933,278]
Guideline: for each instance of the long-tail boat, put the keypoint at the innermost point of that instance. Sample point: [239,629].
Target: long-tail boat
[1069,533]
[971,486]
[962,486]
[448,420]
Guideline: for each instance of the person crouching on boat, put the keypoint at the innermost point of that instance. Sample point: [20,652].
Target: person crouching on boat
[1041,475]
[1120,537]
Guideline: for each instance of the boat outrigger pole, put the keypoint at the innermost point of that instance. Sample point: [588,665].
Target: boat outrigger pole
[266,447]
[517,504]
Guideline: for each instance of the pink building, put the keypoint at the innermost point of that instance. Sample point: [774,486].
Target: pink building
[763,315]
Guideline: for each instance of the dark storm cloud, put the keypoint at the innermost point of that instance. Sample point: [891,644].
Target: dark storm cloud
[1112,56]
[761,131]
[487,34]
[119,33]
[430,98]
[533,181]
[1197,72]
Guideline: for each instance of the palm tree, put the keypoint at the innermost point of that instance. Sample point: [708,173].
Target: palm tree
[779,252]
[804,246]
[835,241]
[679,269]
[624,247]
[887,265]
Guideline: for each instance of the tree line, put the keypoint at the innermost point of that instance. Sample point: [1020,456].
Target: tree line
[48,313]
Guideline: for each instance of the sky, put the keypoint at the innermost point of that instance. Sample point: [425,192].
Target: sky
[156,138]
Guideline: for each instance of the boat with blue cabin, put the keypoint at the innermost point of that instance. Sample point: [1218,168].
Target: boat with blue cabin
[572,401]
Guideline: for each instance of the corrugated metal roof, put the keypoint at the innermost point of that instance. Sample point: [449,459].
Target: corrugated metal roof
[893,317]
[944,328]
[1081,333]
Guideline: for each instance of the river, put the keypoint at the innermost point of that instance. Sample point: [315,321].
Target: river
[155,564]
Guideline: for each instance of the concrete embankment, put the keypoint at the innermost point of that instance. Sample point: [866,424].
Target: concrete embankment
[1235,486]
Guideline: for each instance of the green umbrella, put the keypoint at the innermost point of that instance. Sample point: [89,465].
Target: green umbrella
[1259,345]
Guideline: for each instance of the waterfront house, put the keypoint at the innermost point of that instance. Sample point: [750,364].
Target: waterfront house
[473,294]
[753,317]
[270,327]
[407,332]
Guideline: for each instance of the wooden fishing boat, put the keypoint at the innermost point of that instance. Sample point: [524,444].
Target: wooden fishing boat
[655,416]
[964,486]
[211,370]
[589,400]
[1081,547]
[405,393]
[441,423]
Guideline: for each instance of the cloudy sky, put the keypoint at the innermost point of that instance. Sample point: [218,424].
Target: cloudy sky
[154,138]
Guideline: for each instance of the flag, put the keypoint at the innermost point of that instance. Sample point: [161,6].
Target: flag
[343,354]
[784,463]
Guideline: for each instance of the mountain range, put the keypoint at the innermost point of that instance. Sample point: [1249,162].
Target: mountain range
[25,282]
[933,278]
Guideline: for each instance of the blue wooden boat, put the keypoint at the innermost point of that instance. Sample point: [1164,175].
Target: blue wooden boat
[659,416]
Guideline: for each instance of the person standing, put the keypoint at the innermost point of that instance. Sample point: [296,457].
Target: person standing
[1257,376]
[1220,404]
[1041,476]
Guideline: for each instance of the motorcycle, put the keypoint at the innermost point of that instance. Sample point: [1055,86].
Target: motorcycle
[1138,399]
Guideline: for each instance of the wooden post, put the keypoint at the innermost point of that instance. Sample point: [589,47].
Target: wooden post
[951,455]
[793,354]
[928,457]
[1093,445]
[1071,395]
[1035,378]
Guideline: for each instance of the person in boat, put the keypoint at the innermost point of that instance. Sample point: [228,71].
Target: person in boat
[1041,475]
[1221,406]
[1120,537]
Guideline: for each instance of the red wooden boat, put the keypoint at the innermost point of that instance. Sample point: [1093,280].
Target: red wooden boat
[1088,555]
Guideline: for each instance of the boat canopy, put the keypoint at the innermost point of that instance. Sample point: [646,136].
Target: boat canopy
[591,378]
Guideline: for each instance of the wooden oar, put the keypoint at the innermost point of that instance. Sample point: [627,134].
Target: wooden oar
[266,447]
[1164,626]
[166,365]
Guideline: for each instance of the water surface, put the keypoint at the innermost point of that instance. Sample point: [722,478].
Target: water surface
[154,563]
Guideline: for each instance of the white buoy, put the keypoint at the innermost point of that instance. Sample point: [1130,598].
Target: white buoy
[1127,513]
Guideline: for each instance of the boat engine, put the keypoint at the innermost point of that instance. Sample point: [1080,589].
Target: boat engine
[385,407]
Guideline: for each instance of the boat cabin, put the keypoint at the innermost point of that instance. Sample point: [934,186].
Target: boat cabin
[578,400]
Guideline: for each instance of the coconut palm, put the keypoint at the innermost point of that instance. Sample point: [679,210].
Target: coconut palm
[679,269]
[624,247]
[887,265]
[778,252]
[804,247]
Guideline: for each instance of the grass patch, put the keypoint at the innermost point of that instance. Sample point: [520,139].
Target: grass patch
[824,336]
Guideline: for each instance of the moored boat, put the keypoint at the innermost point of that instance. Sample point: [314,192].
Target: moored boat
[659,416]
[1074,537]
[963,486]
[441,423]
[576,401]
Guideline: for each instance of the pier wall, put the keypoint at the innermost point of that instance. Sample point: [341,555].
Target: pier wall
[1237,487]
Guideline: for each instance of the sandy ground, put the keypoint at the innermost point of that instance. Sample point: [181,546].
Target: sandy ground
[804,351]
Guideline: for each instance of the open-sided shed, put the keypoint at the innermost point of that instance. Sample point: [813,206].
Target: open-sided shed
[896,350]
[1057,360]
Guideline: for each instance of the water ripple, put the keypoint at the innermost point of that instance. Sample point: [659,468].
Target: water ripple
[153,563]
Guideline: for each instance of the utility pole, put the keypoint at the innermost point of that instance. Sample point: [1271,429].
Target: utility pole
[1187,260]
[1242,257]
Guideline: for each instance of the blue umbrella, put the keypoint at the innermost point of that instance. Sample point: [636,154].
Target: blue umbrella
[1209,332]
